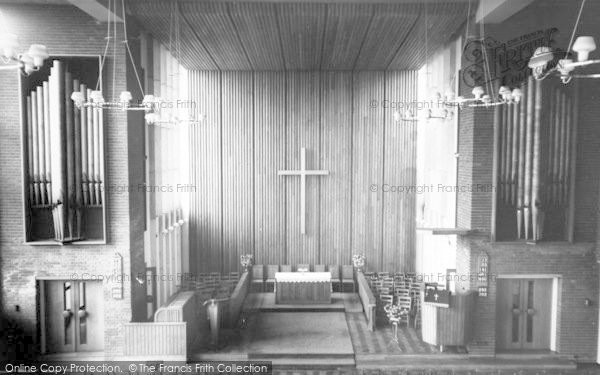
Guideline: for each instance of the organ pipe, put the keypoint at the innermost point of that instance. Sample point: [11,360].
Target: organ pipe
[65,146]
[535,151]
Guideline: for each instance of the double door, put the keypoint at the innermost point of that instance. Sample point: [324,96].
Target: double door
[523,314]
[73,316]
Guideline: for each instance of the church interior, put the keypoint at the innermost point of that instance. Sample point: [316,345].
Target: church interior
[311,186]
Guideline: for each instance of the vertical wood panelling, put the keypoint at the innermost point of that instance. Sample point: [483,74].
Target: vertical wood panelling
[206,203]
[399,170]
[256,124]
[367,166]
[269,157]
[336,156]
[303,131]
[237,167]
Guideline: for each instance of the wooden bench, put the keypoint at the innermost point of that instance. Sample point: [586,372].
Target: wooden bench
[369,303]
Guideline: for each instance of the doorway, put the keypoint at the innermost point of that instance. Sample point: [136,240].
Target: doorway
[71,316]
[525,314]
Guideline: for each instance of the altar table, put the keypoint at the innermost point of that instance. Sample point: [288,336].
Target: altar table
[302,288]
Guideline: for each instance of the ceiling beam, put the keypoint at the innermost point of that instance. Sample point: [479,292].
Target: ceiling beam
[98,11]
[497,11]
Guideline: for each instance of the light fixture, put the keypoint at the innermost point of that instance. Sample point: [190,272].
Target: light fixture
[96,98]
[583,46]
[566,67]
[28,62]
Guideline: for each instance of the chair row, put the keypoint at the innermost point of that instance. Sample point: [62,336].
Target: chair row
[259,276]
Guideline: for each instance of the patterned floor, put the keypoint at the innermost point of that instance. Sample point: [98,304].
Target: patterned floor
[381,340]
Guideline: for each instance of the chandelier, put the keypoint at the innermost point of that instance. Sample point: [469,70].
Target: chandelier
[124,102]
[28,62]
[565,67]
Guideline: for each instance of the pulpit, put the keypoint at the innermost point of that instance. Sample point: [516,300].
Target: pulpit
[302,288]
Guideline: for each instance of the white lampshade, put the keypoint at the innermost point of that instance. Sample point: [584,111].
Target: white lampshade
[39,53]
[78,98]
[9,45]
[97,97]
[151,118]
[517,94]
[125,97]
[27,62]
[541,57]
[583,46]
[478,91]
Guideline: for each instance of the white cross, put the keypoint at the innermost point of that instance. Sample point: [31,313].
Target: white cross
[303,172]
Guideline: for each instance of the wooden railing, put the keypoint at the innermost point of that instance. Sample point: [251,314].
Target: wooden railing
[236,300]
[368,300]
[156,340]
[183,308]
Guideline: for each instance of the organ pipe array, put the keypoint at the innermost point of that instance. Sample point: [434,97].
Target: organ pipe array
[65,152]
[534,153]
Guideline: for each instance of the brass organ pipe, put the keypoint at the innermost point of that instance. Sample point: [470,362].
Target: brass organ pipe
[521,174]
[96,175]
[77,164]
[84,149]
[70,154]
[528,157]
[90,151]
[30,152]
[41,144]
[35,144]
[47,148]
[535,183]
[508,143]
[515,155]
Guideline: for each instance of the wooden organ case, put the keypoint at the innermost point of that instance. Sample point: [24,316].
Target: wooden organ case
[63,154]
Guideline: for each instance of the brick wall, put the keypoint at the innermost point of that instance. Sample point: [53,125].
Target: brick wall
[65,30]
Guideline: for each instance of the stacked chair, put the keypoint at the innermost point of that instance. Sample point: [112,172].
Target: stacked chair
[258,277]
[398,296]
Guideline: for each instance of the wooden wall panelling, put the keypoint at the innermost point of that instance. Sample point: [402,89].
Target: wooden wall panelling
[237,168]
[257,28]
[301,27]
[367,166]
[303,131]
[399,170]
[270,124]
[336,156]
[206,204]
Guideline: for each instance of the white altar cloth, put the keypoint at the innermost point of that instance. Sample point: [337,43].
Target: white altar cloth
[303,277]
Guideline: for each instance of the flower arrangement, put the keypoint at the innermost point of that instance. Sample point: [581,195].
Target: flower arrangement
[246,261]
[359,261]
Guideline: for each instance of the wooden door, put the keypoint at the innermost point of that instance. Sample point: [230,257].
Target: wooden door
[73,316]
[523,317]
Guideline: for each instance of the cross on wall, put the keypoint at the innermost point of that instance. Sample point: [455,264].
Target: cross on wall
[303,173]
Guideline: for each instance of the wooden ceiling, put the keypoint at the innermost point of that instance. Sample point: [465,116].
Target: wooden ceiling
[278,36]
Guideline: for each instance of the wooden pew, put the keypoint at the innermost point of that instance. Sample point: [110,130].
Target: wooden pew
[368,300]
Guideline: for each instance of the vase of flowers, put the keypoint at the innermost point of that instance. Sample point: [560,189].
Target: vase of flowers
[246,261]
[359,261]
